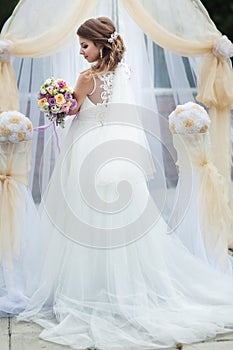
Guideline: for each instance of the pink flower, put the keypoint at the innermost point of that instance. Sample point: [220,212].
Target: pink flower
[65,108]
[61,84]
[50,88]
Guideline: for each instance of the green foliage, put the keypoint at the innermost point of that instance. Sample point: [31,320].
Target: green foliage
[6,10]
[221,13]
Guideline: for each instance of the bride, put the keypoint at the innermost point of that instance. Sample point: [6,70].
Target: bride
[112,278]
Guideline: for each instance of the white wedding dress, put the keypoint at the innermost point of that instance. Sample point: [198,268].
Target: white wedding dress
[112,277]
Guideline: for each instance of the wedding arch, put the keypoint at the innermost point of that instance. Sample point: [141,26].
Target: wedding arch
[174,46]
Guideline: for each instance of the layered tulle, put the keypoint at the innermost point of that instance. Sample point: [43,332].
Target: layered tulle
[114,276]
[201,199]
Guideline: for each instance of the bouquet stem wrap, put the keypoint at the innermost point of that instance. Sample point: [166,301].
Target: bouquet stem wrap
[14,170]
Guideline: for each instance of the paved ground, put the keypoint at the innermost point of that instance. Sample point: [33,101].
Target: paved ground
[24,336]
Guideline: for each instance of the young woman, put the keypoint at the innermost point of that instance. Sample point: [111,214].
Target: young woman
[112,277]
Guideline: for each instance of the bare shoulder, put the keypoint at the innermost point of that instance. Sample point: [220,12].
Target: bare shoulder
[85,77]
[83,87]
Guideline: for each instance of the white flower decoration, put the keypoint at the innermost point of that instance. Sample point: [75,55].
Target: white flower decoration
[15,127]
[113,37]
[6,49]
[189,118]
[223,48]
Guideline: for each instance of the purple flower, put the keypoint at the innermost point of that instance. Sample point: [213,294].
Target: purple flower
[40,96]
[52,101]
[67,96]
[73,104]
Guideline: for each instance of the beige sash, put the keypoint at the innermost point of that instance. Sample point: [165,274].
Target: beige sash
[14,170]
[213,201]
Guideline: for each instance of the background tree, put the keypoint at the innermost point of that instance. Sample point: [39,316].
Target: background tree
[7,6]
[221,12]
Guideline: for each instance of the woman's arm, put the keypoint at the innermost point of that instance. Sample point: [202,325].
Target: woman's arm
[83,87]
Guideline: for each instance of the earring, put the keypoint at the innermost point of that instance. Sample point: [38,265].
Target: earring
[101,53]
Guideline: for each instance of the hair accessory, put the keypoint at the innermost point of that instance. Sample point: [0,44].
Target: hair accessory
[113,37]
[101,53]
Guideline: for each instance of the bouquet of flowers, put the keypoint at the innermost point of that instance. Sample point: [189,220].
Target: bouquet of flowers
[56,100]
[189,118]
[15,127]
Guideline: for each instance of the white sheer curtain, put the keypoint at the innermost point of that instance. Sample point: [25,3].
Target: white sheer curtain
[184,27]
[32,31]
[161,78]
[31,72]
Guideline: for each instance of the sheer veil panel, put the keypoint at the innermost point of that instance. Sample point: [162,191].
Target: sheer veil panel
[41,34]
[161,77]
[31,73]
[185,28]
[160,80]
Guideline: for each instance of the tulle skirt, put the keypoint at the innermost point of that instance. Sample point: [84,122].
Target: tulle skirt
[113,278]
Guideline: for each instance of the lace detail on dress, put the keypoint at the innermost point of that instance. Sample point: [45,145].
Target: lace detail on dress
[107,85]
[106,94]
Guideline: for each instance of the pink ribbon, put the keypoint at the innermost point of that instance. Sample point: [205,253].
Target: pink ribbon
[42,128]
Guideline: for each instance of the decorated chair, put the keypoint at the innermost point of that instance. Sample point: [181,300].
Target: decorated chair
[20,234]
[201,215]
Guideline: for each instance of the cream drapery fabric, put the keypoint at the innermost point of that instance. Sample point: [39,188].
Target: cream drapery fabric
[185,28]
[41,32]
[213,210]
[15,160]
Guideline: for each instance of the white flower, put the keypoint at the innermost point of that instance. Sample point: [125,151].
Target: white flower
[48,81]
[13,138]
[223,48]
[15,127]
[43,91]
[3,138]
[55,109]
[28,135]
[189,118]
[6,49]
[12,125]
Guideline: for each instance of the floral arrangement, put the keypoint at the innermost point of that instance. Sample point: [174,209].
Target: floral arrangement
[56,100]
[15,127]
[189,118]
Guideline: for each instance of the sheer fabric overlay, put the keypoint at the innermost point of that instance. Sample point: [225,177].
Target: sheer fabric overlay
[170,26]
[99,291]
[20,234]
[202,199]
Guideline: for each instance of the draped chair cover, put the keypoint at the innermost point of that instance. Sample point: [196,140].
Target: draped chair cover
[15,160]
[185,28]
[202,199]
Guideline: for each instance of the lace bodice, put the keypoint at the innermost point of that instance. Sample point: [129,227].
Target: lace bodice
[109,87]
[103,85]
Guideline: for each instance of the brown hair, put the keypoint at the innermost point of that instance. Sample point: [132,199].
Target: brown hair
[99,30]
